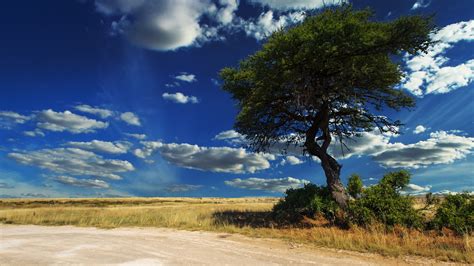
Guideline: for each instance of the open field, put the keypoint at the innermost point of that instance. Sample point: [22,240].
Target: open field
[247,216]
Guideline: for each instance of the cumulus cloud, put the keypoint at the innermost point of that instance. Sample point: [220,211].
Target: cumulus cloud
[130,118]
[214,159]
[284,5]
[441,148]
[118,147]
[136,136]
[271,185]
[67,121]
[291,160]
[103,113]
[179,98]
[414,189]
[226,14]
[168,25]
[419,129]
[73,161]
[180,188]
[186,77]
[158,25]
[421,4]
[90,183]
[267,23]
[429,73]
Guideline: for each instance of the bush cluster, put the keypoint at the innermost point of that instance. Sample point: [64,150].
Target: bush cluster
[382,203]
[310,200]
[456,212]
[385,204]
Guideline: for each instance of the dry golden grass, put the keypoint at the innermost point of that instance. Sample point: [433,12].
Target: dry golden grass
[248,216]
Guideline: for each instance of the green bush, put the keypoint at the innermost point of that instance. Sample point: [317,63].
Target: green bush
[383,203]
[354,186]
[456,212]
[310,201]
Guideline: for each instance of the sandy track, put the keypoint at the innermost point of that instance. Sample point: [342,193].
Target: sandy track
[40,245]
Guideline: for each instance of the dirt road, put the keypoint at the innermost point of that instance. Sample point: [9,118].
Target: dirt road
[40,245]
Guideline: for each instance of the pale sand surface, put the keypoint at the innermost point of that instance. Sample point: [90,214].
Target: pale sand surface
[60,245]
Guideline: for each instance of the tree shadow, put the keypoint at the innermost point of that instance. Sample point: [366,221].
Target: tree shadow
[262,219]
[254,219]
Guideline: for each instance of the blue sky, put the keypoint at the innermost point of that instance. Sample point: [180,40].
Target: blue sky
[122,98]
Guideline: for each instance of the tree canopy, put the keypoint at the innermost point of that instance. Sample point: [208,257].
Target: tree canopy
[329,76]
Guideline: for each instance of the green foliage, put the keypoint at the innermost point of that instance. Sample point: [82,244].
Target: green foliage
[310,200]
[354,186]
[456,212]
[336,66]
[383,203]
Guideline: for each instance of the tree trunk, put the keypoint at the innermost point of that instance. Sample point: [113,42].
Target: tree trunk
[333,170]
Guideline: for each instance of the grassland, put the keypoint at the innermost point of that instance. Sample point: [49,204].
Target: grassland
[247,216]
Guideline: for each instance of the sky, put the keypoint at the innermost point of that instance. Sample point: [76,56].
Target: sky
[104,98]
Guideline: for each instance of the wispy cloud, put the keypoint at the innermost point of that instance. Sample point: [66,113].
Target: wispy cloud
[271,185]
[73,161]
[103,113]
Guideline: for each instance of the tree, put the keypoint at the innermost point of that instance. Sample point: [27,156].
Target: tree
[329,77]
[354,186]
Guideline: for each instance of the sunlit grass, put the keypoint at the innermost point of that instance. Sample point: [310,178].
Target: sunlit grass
[242,217]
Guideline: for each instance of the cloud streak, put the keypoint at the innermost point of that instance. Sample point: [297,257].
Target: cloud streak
[271,185]
[214,159]
[73,161]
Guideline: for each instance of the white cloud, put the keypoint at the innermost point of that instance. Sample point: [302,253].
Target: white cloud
[430,74]
[421,4]
[8,119]
[158,25]
[136,136]
[73,161]
[226,13]
[118,147]
[285,5]
[266,23]
[440,148]
[231,137]
[67,121]
[103,113]
[419,129]
[272,185]
[91,183]
[34,133]
[214,159]
[130,118]
[291,160]
[186,77]
[228,134]
[14,117]
[413,189]
[179,98]
[180,188]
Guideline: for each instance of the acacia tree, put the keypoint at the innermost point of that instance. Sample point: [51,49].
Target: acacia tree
[327,78]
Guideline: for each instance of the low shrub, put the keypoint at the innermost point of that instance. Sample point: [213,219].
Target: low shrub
[384,204]
[354,186]
[310,201]
[456,212]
